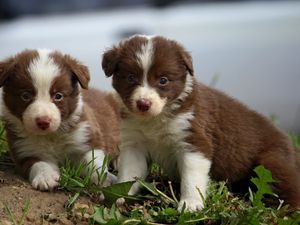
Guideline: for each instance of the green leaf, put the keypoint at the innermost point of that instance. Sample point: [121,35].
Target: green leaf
[113,192]
[72,200]
[293,220]
[98,215]
[149,186]
[107,216]
[152,188]
[262,182]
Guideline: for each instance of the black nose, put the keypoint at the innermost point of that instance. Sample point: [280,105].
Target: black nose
[143,104]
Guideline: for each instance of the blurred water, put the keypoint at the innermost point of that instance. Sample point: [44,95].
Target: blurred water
[253,47]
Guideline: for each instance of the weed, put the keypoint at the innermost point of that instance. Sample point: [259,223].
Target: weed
[72,179]
[3,142]
[12,215]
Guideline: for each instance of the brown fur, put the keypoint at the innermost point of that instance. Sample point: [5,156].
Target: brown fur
[103,115]
[99,108]
[233,137]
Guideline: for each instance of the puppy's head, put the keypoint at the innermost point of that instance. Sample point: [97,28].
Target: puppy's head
[148,72]
[40,89]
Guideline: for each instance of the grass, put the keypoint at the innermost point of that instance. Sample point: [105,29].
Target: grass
[157,203]
[13,218]
[3,143]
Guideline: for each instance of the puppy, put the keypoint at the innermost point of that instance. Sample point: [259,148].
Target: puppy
[192,131]
[51,116]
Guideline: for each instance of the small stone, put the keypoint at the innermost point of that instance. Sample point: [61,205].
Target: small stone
[65,221]
[30,218]
[80,206]
[86,216]
[51,217]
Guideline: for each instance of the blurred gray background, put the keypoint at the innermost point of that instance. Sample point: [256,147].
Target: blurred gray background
[248,49]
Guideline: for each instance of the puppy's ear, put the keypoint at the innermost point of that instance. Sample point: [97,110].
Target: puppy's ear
[80,71]
[188,61]
[109,61]
[5,67]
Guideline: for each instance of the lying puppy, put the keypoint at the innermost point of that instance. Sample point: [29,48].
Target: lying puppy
[190,129]
[51,117]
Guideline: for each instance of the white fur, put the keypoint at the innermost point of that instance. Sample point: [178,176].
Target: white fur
[44,175]
[162,138]
[54,147]
[41,108]
[194,169]
[146,92]
[188,88]
[145,57]
[43,71]
[133,162]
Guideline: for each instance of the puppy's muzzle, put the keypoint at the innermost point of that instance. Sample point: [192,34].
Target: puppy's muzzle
[43,122]
[143,104]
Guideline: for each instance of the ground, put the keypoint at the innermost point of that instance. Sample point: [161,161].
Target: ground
[44,207]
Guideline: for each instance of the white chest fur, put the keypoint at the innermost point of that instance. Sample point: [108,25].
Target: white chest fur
[160,138]
[54,147]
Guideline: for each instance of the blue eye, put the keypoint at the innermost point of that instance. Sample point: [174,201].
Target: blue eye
[131,78]
[163,81]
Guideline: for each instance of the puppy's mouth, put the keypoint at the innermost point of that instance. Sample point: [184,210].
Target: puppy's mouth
[41,126]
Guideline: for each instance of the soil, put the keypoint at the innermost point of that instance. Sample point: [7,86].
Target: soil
[44,207]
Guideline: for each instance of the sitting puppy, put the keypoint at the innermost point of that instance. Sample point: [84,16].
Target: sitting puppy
[50,118]
[190,129]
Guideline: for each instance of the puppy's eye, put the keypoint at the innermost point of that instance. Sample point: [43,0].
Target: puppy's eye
[131,78]
[26,96]
[163,81]
[58,97]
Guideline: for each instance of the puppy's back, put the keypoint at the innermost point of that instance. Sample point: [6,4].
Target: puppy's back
[237,134]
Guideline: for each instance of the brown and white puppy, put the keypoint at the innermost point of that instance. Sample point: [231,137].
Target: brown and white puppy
[51,117]
[190,129]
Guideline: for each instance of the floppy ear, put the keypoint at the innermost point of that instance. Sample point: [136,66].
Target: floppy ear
[5,67]
[109,61]
[80,71]
[188,61]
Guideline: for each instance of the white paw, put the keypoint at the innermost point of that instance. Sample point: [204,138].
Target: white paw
[191,204]
[44,176]
[45,181]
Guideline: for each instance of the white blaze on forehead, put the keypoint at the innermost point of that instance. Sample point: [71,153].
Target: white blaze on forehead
[43,70]
[145,57]
[145,91]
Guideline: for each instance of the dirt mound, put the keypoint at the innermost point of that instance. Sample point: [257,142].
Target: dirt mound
[44,207]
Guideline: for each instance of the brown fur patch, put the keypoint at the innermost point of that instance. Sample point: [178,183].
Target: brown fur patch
[67,63]
[99,109]
[233,137]
[104,117]
[16,79]
[68,86]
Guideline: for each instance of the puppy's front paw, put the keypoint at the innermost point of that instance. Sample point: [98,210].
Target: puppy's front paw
[191,204]
[43,176]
